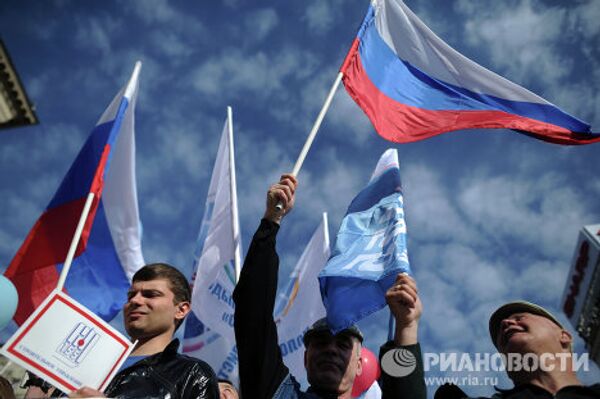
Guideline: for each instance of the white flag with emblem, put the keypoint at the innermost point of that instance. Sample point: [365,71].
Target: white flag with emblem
[300,305]
[209,327]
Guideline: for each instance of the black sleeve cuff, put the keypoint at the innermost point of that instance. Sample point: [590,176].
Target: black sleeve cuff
[402,380]
[266,228]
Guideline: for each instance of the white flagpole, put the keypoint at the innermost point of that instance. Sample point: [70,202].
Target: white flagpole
[317,124]
[391,327]
[90,198]
[326,229]
[233,194]
[315,129]
[76,237]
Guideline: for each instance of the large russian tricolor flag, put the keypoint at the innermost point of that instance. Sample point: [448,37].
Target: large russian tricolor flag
[412,85]
[109,251]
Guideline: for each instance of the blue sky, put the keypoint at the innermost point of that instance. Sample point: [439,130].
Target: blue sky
[492,215]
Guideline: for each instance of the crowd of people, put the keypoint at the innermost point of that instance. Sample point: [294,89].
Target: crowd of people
[159,300]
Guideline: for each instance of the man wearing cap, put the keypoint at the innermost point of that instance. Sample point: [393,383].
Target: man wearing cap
[332,362]
[525,328]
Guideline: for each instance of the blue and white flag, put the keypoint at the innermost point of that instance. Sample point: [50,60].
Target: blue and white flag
[299,306]
[209,327]
[370,249]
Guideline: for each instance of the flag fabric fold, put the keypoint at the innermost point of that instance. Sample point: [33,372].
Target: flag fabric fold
[412,86]
[370,249]
[299,305]
[109,251]
[209,329]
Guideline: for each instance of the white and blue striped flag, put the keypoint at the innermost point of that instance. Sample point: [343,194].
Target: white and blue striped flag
[370,249]
[299,306]
[209,327]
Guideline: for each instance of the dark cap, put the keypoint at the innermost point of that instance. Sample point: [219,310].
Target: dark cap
[511,308]
[321,325]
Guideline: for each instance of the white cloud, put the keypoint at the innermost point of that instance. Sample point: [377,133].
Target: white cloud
[479,277]
[94,34]
[595,185]
[533,282]
[319,16]
[430,214]
[260,74]
[346,115]
[536,213]
[164,14]
[519,38]
[152,11]
[189,151]
[584,18]
[231,3]
[260,23]
[331,189]
[171,45]
[443,320]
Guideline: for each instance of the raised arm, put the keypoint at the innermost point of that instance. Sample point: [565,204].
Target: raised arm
[405,305]
[260,362]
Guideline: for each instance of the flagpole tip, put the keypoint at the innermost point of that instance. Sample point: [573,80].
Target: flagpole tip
[131,85]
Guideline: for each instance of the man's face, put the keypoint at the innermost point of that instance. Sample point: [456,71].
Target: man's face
[526,332]
[332,362]
[150,309]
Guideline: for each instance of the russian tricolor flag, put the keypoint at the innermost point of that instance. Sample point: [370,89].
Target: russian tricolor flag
[412,85]
[109,251]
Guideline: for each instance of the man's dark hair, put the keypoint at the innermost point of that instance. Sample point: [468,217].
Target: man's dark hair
[177,281]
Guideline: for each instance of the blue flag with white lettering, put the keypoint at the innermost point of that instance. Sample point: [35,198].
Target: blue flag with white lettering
[370,249]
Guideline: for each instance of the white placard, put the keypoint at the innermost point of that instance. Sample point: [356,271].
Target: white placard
[65,344]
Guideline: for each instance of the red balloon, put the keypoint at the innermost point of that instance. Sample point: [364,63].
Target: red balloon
[370,373]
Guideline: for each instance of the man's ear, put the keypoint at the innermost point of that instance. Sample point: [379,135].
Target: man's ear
[566,340]
[183,308]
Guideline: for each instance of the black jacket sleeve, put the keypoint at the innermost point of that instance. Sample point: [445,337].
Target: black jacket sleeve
[201,383]
[260,362]
[411,386]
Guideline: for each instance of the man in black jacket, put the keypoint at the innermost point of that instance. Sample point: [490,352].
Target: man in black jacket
[332,362]
[157,303]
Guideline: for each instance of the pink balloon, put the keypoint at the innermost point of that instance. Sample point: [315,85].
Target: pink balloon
[370,373]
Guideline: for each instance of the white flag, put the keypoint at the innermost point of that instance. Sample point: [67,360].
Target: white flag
[217,254]
[300,305]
